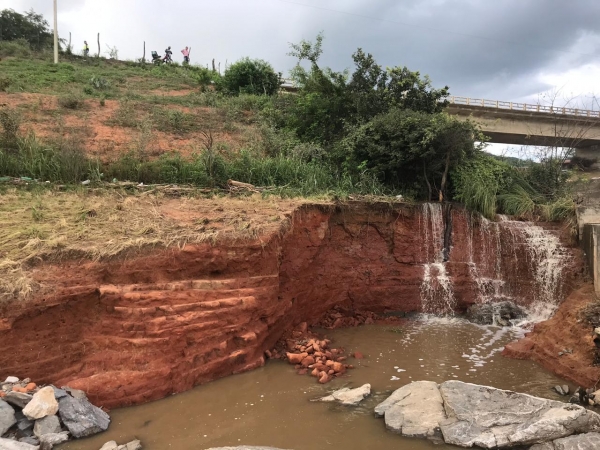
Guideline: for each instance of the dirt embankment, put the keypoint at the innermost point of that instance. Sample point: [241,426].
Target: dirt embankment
[130,331]
[567,330]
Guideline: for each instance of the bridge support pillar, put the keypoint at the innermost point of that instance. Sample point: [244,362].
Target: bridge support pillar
[590,155]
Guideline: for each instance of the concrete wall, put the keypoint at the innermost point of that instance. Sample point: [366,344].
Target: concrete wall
[591,247]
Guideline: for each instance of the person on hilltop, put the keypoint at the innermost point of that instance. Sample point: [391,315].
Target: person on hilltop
[186,54]
[168,52]
[86,49]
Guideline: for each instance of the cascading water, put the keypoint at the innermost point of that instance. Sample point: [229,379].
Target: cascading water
[506,260]
[437,294]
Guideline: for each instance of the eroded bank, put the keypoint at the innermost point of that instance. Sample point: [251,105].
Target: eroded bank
[134,330]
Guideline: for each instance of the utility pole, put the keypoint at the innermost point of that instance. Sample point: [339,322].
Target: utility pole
[55,32]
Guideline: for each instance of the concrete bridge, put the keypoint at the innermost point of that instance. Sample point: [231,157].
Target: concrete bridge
[539,125]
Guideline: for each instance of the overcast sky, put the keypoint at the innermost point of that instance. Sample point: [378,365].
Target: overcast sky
[496,49]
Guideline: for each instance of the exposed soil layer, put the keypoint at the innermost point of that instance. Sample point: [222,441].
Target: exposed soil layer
[565,331]
[131,331]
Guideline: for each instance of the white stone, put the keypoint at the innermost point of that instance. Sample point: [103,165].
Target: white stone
[588,441]
[12,380]
[46,425]
[9,444]
[42,404]
[414,410]
[349,397]
[49,440]
[111,445]
[493,418]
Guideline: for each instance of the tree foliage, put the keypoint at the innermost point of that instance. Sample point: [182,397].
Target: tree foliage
[30,26]
[250,76]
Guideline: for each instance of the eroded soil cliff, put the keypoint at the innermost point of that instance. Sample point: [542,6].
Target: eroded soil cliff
[133,330]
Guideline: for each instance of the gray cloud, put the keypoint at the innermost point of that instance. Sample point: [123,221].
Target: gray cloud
[477,47]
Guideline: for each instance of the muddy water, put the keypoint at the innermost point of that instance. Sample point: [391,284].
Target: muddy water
[270,406]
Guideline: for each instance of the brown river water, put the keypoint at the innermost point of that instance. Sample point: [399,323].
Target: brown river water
[271,406]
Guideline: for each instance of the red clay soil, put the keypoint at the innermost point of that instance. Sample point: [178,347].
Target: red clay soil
[131,331]
[90,127]
[566,330]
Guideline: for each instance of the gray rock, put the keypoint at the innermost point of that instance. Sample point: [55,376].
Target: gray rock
[544,446]
[18,399]
[42,404]
[59,393]
[110,445]
[9,444]
[46,425]
[589,441]
[29,440]
[82,418]
[75,393]
[493,418]
[24,425]
[565,389]
[559,390]
[500,313]
[7,417]
[349,397]
[414,410]
[48,441]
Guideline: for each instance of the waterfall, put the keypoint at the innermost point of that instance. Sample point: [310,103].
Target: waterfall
[547,259]
[437,294]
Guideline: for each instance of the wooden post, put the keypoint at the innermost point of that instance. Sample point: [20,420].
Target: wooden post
[213,65]
[98,45]
[69,47]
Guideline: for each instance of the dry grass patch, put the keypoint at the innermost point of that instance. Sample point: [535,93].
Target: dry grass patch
[55,226]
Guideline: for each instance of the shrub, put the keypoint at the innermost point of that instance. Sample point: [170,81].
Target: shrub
[11,122]
[99,83]
[125,115]
[250,76]
[4,84]
[19,48]
[72,100]
[87,90]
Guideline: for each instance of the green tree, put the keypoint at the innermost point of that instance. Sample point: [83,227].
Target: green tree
[411,149]
[250,76]
[29,26]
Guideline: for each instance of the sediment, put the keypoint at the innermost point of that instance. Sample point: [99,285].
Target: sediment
[133,330]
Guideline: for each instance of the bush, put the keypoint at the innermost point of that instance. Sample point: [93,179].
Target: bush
[250,76]
[99,83]
[4,84]
[18,48]
[10,120]
[72,100]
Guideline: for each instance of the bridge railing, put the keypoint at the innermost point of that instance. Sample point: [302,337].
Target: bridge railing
[523,107]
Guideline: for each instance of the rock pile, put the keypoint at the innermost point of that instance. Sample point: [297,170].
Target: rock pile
[340,317]
[311,355]
[34,417]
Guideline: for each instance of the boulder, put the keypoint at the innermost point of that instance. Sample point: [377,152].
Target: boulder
[59,393]
[544,446]
[414,410]
[42,404]
[7,417]
[11,380]
[76,393]
[82,418]
[30,440]
[46,425]
[347,396]
[588,441]
[48,441]
[9,444]
[110,445]
[493,418]
[500,313]
[18,399]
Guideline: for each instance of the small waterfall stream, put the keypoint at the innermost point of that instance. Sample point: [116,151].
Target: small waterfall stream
[495,253]
[437,295]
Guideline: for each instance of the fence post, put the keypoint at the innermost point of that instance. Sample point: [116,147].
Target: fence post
[98,45]
[144,57]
